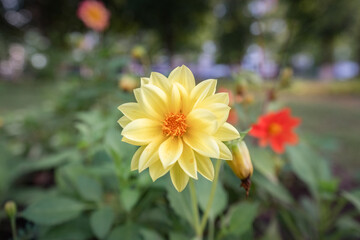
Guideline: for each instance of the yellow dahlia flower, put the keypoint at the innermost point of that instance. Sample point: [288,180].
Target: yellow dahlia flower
[178,126]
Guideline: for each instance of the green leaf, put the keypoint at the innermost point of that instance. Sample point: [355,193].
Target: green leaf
[180,202]
[178,236]
[203,188]
[53,210]
[275,189]
[126,232]
[149,234]
[354,198]
[77,229]
[263,162]
[101,221]
[88,188]
[129,197]
[240,218]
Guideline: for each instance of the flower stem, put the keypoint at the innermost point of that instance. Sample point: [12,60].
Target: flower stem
[195,209]
[212,195]
[13,227]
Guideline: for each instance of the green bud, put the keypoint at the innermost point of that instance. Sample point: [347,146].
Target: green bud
[10,209]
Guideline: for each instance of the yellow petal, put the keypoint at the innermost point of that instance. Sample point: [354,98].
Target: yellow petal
[132,142]
[157,170]
[205,166]
[225,152]
[185,99]
[142,130]
[202,143]
[144,81]
[202,90]
[184,76]
[160,81]
[221,112]
[178,177]
[187,162]
[217,98]
[175,101]
[202,120]
[136,157]
[132,111]
[154,100]
[170,151]
[227,132]
[150,155]
[123,121]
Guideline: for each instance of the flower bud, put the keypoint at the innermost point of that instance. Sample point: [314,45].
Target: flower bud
[10,209]
[127,83]
[241,164]
[138,52]
[285,77]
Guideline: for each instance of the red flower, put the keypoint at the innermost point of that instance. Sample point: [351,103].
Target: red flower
[94,15]
[276,128]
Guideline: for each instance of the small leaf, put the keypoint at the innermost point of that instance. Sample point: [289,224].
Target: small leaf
[126,232]
[180,202]
[101,221]
[244,133]
[77,229]
[149,234]
[240,217]
[53,210]
[354,198]
[129,197]
[88,188]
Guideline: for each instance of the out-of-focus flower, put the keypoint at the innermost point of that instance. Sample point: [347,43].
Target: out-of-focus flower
[178,126]
[241,164]
[248,99]
[233,117]
[285,77]
[94,14]
[276,128]
[138,52]
[10,209]
[128,82]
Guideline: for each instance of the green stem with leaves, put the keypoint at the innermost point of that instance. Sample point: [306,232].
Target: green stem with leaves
[212,195]
[195,209]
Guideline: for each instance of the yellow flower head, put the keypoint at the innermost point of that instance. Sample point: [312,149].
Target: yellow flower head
[178,126]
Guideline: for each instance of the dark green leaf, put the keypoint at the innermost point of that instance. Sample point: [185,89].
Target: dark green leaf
[354,198]
[77,229]
[53,210]
[125,232]
[89,188]
[129,197]
[101,221]
[180,202]
[240,218]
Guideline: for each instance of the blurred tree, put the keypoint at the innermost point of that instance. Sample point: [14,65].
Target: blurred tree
[318,22]
[233,29]
[174,22]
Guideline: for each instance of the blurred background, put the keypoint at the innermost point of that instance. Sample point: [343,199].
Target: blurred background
[62,77]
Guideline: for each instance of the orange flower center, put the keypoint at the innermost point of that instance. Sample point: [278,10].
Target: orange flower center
[275,129]
[174,125]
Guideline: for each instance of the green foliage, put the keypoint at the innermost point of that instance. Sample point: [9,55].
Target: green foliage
[101,221]
[53,210]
